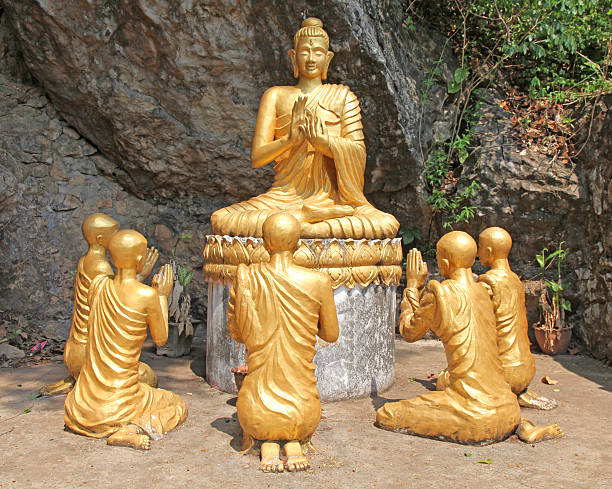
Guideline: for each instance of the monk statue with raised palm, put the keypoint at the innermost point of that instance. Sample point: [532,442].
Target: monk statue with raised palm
[313,133]
[97,230]
[109,399]
[277,309]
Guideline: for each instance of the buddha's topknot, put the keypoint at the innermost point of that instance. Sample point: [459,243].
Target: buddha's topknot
[311,27]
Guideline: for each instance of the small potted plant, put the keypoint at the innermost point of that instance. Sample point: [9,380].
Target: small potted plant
[551,332]
[181,326]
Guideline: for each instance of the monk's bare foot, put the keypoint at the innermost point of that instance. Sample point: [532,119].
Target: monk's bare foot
[529,433]
[443,380]
[296,460]
[317,214]
[270,458]
[56,388]
[130,436]
[530,399]
[146,374]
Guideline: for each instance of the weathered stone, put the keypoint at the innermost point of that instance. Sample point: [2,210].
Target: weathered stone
[11,352]
[360,363]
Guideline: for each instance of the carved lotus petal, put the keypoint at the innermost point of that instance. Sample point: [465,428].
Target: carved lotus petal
[333,255]
[366,254]
[388,252]
[260,254]
[364,276]
[338,275]
[304,256]
[391,275]
[213,253]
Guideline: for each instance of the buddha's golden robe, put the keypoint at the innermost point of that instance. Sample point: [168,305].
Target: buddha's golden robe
[278,322]
[107,394]
[76,346]
[477,405]
[307,177]
[508,296]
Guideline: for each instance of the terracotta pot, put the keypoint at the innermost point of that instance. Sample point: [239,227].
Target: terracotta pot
[553,342]
[239,374]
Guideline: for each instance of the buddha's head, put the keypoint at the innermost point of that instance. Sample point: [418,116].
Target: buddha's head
[455,250]
[98,229]
[493,243]
[128,249]
[281,232]
[310,55]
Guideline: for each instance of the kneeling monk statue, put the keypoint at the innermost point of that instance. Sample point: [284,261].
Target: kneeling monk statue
[97,229]
[313,132]
[278,309]
[108,398]
[476,405]
[508,296]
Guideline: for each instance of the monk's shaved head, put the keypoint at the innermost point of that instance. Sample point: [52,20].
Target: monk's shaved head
[498,239]
[281,232]
[458,248]
[97,226]
[127,247]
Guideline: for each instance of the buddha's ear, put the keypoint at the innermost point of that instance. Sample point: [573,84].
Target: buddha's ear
[296,71]
[330,55]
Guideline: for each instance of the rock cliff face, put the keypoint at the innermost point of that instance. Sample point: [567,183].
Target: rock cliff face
[145,110]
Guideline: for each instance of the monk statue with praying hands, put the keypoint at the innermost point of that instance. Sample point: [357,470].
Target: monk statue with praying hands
[97,230]
[313,133]
[109,399]
[473,404]
[508,296]
[277,309]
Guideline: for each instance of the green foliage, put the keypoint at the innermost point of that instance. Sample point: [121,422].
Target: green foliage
[185,276]
[409,236]
[545,261]
[456,208]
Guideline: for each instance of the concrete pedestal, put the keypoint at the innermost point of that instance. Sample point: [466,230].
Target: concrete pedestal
[359,363]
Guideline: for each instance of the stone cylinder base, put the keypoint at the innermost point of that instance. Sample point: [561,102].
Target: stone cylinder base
[360,363]
[364,275]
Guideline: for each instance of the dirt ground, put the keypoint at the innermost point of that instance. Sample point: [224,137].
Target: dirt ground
[36,452]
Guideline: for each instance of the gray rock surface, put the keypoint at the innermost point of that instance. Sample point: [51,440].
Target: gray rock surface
[10,352]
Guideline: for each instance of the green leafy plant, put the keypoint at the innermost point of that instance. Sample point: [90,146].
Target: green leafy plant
[409,236]
[553,311]
[184,275]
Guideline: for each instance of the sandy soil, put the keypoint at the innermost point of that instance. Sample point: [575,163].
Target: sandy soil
[36,452]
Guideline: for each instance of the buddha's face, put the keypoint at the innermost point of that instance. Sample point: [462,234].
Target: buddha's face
[311,57]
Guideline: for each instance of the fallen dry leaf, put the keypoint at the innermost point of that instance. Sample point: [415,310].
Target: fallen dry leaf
[547,380]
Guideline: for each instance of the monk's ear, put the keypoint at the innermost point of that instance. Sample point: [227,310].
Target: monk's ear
[445,269]
[330,55]
[489,252]
[296,71]
[100,240]
[141,263]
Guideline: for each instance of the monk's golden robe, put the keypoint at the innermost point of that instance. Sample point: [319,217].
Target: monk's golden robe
[278,322]
[477,406]
[107,394]
[76,346]
[307,177]
[508,296]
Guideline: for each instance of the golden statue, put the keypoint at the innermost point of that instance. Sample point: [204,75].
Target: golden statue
[277,309]
[97,230]
[508,296]
[474,404]
[314,134]
[108,397]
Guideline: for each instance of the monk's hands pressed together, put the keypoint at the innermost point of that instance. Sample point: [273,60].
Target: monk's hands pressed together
[416,270]
[150,261]
[316,132]
[298,121]
[163,281]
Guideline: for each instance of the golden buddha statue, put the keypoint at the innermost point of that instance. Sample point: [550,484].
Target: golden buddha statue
[277,309]
[508,296]
[476,405]
[314,134]
[108,397]
[97,230]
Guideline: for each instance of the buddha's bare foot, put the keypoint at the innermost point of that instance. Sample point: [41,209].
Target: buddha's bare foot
[529,433]
[246,444]
[317,214]
[530,399]
[56,388]
[270,458]
[296,460]
[130,436]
